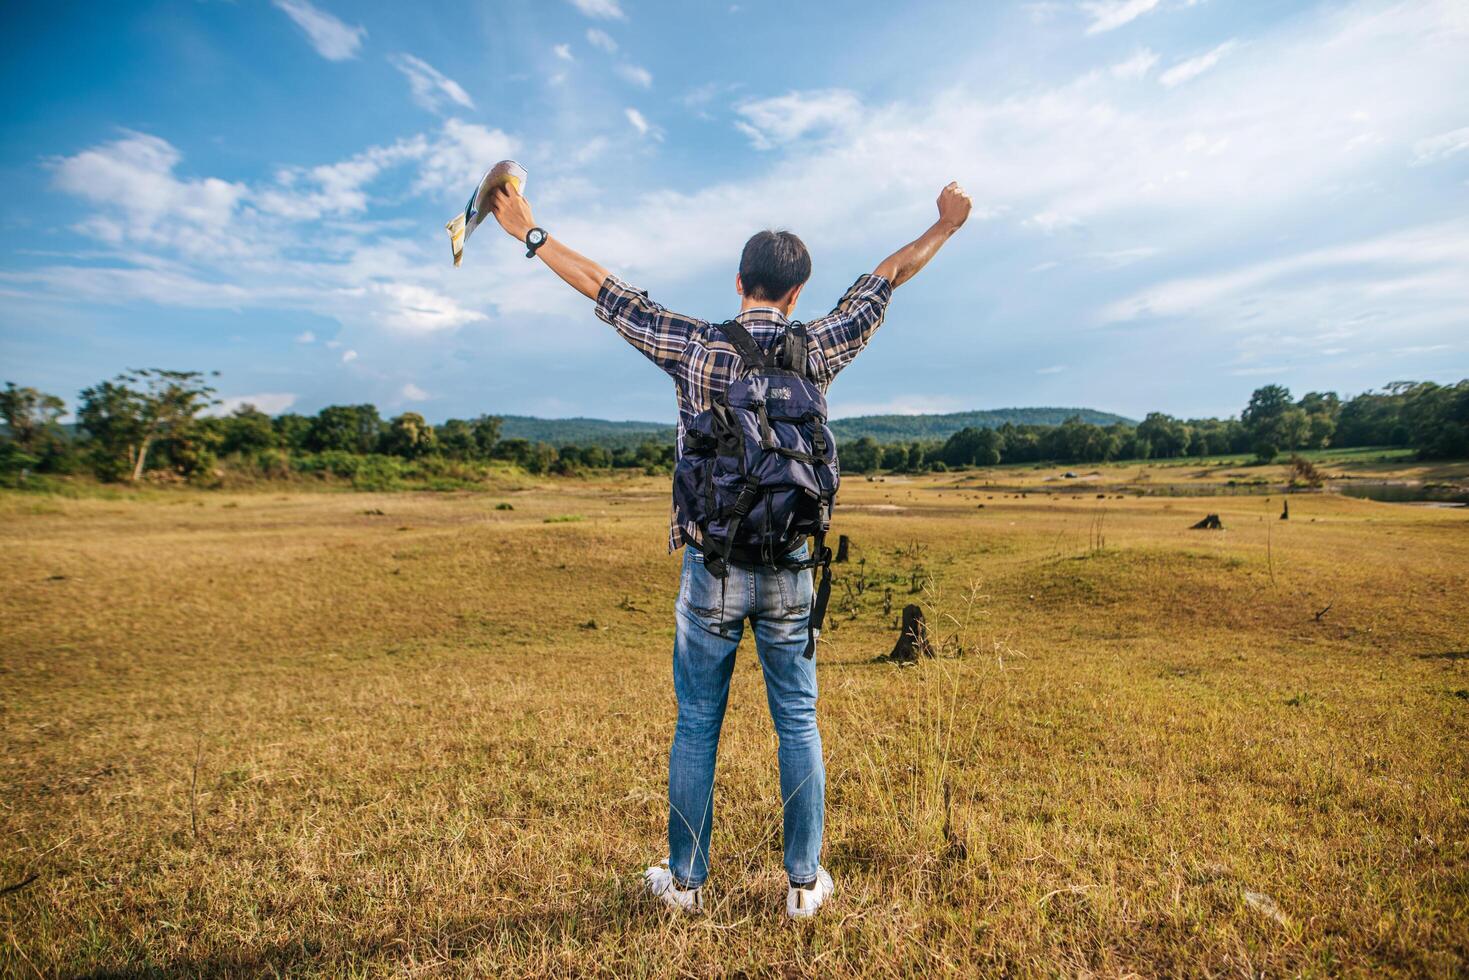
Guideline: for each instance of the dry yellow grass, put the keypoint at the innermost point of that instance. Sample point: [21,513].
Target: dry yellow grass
[266,733]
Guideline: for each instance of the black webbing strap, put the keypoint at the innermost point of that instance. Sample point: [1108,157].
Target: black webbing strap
[794,357]
[755,359]
[822,557]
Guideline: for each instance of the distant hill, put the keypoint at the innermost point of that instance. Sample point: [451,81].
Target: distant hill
[585,432]
[908,428]
[883,428]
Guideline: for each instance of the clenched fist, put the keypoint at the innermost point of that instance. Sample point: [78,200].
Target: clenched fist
[512,211]
[954,205]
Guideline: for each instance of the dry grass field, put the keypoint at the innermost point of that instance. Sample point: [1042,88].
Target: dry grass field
[347,734]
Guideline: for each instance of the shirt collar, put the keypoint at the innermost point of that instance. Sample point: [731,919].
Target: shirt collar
[768,313]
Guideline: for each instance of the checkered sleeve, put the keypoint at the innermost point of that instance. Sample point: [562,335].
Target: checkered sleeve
[661,335]
[840,336]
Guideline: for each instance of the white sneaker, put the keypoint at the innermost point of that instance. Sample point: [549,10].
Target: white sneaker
[802,903]
[658,880]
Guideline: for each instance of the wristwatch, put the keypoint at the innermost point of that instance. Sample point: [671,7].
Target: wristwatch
[534,239]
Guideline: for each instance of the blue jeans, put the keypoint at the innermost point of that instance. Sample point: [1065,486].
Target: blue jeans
[711,620]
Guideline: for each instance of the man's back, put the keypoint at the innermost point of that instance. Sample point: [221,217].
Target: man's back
[703,362]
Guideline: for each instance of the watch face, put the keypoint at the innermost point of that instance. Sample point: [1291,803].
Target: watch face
[536,236]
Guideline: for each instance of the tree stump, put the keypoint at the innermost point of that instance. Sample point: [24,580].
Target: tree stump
[842,545]
[913,640]
[1210,523]
[1285,512]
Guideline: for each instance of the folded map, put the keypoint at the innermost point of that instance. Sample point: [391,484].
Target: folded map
[461,226]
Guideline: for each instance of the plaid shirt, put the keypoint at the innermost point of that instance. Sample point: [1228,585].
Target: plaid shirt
[702,363]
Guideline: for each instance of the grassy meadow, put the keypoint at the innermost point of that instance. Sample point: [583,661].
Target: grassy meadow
[360,734]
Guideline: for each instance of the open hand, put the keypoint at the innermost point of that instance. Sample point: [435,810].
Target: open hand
[954,205]
[512,211]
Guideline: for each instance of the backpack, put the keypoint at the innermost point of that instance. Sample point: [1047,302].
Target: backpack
[758,472]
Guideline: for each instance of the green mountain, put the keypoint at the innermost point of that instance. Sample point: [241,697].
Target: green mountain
[883,428]
[908,428]
[585,432]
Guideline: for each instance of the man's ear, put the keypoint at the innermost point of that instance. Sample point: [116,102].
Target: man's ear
[739,285]
[791,297]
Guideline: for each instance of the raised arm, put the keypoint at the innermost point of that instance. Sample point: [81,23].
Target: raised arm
[512,210]
[904,264]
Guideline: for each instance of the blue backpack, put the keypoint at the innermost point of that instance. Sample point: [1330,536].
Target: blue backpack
[758,472]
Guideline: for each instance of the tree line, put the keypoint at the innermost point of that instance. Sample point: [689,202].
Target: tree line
[1430,418]
[153,422]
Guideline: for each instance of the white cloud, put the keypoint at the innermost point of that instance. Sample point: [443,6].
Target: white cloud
[306,337]
[636,75]
[269,402]
[412,393]
[599,38]
[789,117]
[600,9]
[1053,369]
[348,356]
[131,184]
[1425,270]
[418,309]
[563,51]
[1434,148]
[430,86]
[332,39]
[461,153]
[1194,67]
[1137,66]
[638,122]
[1108,15]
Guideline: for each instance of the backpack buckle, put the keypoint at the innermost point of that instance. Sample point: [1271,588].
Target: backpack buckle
[745,502]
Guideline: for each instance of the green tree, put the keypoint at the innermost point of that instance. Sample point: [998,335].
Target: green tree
[125,418]
[31,417]
[915,457]
[290,431]
[487,433]
[345,428]
[456,439]
[246,430]
[1165,436]
[894,458]
[409,436]
[862,456]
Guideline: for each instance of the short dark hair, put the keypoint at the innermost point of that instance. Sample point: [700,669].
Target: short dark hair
[773,263]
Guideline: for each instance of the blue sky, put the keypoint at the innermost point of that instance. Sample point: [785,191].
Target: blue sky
[1175,200]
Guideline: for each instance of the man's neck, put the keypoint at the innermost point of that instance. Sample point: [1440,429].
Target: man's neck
[747,304]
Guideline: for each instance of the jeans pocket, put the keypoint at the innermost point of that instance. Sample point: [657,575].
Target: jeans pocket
[700,592]
[795,591]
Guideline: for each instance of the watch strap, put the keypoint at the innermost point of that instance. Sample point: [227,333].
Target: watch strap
[530,249]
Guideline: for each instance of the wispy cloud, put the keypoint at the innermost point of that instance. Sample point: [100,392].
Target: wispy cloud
[1435,148]
[269,402]
[1109,15]
[1136,66]
[1194,67]
[430,86]
[784,118]
[600,9]
[563,51]
[638,76]
[410,392]
[306,337]
[599,38]
[348,356]
[1053,369]
[333,39]
[638,121]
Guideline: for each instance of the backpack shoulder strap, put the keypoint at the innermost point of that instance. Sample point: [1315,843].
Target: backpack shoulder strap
[755,359]
[797,343]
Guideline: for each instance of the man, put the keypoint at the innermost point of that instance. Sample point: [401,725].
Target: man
[776,600]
